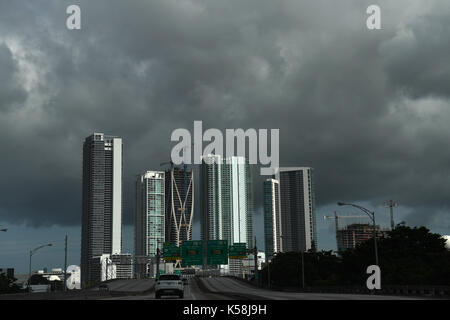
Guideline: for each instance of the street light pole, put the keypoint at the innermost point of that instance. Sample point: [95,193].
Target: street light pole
[371,215]
[303,271]
[65,264]
[303,268]
[256,263]
[157,262]
[33,251]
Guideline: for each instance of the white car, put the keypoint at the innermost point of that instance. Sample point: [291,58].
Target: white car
[169,284]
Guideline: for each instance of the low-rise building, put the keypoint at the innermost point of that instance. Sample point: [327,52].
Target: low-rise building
[354,234]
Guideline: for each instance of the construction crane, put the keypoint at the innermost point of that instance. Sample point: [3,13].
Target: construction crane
[336,219]
[391,204]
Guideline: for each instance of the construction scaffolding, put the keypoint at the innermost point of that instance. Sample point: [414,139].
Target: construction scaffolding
[349,236]
[352,235]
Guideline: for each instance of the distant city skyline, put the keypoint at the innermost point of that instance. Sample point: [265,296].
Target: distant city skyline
[367,109]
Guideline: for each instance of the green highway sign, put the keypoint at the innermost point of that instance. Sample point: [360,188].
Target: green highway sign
[238,251]
[171,252]
[192,253]
[217,252]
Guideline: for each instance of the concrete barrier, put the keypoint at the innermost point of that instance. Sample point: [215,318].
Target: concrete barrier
[430,291]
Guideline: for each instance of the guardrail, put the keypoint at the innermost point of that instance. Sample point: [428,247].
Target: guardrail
[403,290]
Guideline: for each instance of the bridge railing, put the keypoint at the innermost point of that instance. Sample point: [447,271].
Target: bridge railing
[404,290]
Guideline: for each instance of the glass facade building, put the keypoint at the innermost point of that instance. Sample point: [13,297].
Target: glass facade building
[150,213]
[272,217]
[297,199]
[101,230]
[226,200]
[179,204]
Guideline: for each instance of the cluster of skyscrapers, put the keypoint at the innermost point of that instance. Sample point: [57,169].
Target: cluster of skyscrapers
[164,209]
[164,212]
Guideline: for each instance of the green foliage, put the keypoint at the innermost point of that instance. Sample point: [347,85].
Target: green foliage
[8,285]
[321,268]
[408,256]
[38,279]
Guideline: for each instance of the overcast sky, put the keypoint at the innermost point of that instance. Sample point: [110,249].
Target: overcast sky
[369,110]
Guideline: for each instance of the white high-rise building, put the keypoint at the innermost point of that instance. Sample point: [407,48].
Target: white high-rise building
[149,232]
[237,190]
[150,213]
[227,200]
[227,203]
[272,218]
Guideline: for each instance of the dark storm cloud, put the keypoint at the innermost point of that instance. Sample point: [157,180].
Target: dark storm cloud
[417,58]
[11,92]
[368,110]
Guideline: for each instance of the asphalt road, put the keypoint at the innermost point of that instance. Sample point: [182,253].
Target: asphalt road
[192,291]
[242,290]
[215,288]
[223,288]
[131,286]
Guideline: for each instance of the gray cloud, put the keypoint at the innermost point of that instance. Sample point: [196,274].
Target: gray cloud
[368,110]
[11,92]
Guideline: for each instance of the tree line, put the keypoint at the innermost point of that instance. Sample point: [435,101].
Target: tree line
[407,256]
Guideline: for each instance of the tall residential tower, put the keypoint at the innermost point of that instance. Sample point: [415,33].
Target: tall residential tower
[179,204]
[272,218]
[149,233]
[298,220]
[226,200]
[101,200]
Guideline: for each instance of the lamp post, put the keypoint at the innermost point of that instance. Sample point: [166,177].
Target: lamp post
[31,254]
[268,268]
[256,263]
[303,260]
[371,215]
[303,271]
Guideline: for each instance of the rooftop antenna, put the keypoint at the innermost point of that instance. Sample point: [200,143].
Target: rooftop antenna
[391,204]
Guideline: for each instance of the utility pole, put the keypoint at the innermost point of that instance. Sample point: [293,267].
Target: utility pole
[303,271]
[256,262]
[65,263]
[157,261]
[391,204]
[106,269]
[204,255]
